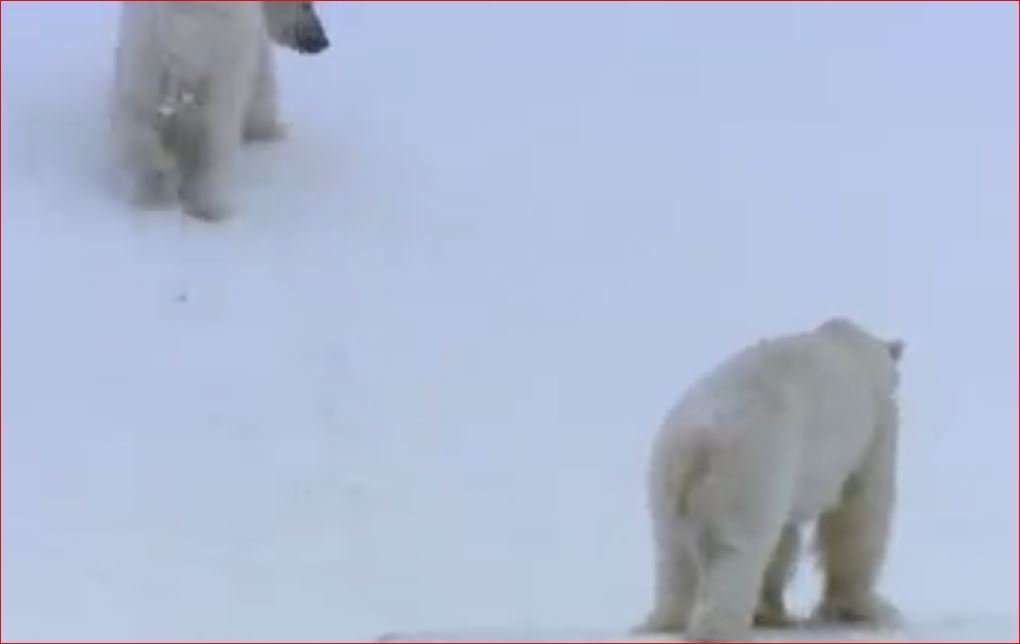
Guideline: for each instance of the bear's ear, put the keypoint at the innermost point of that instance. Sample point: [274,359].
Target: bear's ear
[896,349]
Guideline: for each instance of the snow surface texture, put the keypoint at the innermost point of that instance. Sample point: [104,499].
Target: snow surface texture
[412,385]
[968,629]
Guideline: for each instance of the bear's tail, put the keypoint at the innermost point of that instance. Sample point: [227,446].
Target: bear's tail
[691,473]
[678,470]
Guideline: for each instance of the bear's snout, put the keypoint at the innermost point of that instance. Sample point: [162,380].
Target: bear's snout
[312,41]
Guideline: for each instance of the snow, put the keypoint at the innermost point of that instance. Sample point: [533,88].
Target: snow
[411,386]
[969,629]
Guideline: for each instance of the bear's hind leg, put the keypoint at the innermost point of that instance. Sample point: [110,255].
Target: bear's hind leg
[676,579]
[148,168]
[771,612]
[743,505]
[733,570]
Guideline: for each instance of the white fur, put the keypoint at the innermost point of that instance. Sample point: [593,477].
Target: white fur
[191,78]
[793,429]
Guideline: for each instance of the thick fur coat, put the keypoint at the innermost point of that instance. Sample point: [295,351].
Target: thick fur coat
[794,429]
[192,80]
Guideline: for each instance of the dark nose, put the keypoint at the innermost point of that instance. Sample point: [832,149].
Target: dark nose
[314,42]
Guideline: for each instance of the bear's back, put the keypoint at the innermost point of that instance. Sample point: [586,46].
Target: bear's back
[819,388]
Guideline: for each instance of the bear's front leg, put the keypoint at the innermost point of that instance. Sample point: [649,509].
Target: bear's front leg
[209,155]
[261,122]
[853,538]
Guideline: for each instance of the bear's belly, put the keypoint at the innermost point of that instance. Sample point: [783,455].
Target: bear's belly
[827,463]
[813,499]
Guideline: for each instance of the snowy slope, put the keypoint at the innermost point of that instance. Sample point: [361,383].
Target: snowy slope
[411,386]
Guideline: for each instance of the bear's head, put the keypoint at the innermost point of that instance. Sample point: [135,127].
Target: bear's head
[882,356]
[295,25]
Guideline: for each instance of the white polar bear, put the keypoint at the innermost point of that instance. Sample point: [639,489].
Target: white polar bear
[192,79]
[793,429]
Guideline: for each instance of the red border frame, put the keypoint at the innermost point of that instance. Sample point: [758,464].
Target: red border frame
[1015,2]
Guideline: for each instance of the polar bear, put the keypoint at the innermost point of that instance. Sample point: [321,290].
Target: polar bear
[192,80]
[794,429]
